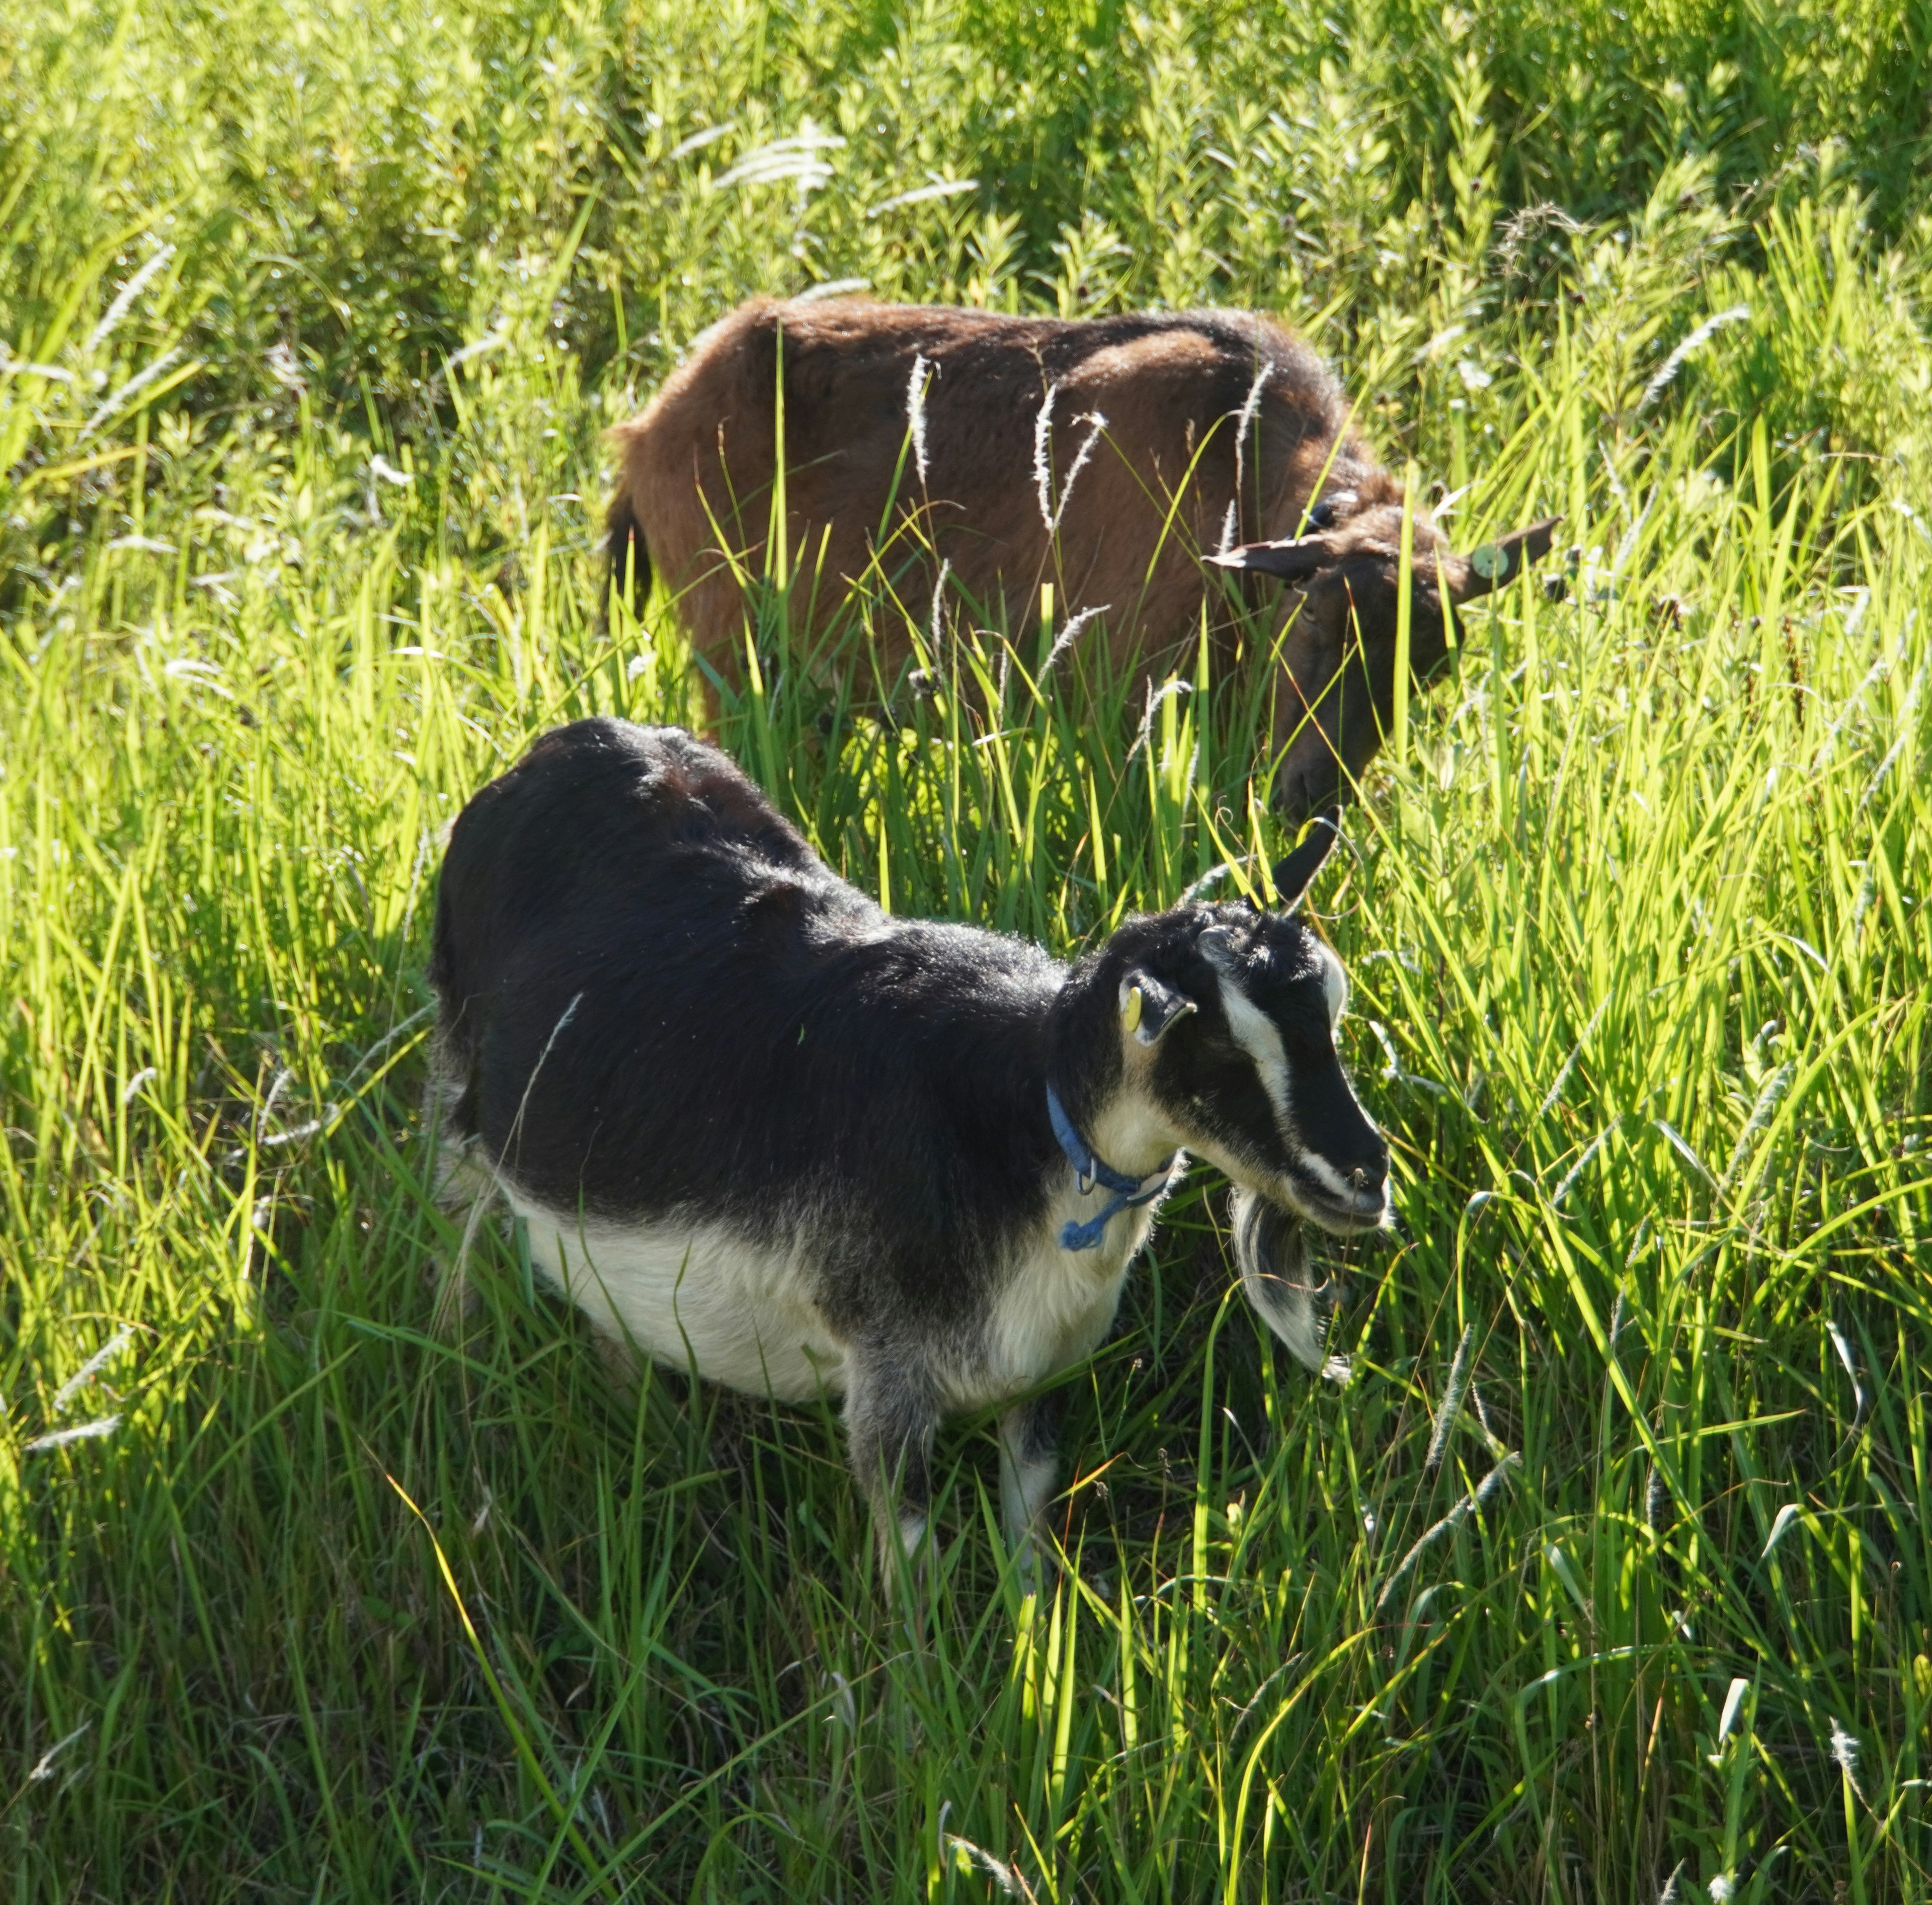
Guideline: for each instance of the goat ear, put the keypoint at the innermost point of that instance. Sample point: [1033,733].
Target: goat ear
[1150,1006]
[1494,563]
[1294,558]
[1291,875]
[776,907]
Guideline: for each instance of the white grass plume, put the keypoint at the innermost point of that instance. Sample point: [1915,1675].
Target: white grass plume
[19,366]
[81,1432]
[1774,1088]
[830,287]
[797,159]
[1080,458]
[1577,1169]
[938,623]
[923,373]
[1876,674]
[43,1767]
[1069,635]
[91,1368]
[1845,1755]
[1698,339]
[135,385]
[1245,421]
[123,304]
[279,1084]
[1006,1877]
[1155,697]
[1051,512]
[1042,454]
[1569,1064]
[1867,892]
[307,1128]
[1452,1401]
[491,340]
[939,188]
[1478,1497]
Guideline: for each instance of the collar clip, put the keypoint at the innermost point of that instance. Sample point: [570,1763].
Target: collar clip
[1090,1170]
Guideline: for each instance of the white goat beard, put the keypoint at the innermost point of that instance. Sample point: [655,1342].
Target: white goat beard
[1271,1252]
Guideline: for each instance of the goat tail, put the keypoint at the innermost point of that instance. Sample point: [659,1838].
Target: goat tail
[629,576]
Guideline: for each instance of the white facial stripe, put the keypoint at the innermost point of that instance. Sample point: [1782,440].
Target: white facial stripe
[1260,1039]
[1325,1174]
[1335,981]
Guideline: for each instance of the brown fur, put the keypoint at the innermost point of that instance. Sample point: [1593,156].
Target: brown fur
[695,490]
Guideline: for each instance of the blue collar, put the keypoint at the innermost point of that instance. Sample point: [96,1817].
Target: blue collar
[1129,1192]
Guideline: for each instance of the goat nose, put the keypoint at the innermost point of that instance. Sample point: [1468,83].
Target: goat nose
[1372,1171]
[1299,799]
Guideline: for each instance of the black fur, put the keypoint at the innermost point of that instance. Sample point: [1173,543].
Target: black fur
[749,1028]
[628,574]
[659,1005]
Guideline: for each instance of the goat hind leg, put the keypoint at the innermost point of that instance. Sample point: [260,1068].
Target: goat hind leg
[890,1423]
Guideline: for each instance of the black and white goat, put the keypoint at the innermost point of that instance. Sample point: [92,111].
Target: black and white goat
[759,1128]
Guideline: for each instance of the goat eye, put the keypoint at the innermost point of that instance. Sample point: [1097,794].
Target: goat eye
[1322,516]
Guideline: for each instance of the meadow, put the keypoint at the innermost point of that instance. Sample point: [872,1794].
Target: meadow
[1606,1576]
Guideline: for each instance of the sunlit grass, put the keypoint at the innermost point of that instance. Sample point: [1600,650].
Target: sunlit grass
[1610,1561]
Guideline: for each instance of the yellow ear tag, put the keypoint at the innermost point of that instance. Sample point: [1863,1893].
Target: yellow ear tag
[1130,1013]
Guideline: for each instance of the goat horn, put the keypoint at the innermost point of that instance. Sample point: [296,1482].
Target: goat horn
[1294,558]
[1294,871]
[1494,563]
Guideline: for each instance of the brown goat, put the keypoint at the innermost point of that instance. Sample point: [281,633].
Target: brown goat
[1109,457]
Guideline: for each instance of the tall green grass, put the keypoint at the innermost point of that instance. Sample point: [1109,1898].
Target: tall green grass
[1610,1564]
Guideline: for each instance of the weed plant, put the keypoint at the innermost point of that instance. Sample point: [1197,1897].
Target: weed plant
[1606,1575]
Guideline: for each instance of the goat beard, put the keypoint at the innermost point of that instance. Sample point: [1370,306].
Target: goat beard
[1277,1277]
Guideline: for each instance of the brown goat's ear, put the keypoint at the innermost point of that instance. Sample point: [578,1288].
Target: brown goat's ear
[1291,875]
[1503,560]
[1294,558]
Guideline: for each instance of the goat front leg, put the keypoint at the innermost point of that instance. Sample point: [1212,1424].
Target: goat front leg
[890,1418]
[1029,1468]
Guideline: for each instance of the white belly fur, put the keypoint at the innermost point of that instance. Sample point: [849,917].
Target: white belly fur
[695,1295]
[692,1296]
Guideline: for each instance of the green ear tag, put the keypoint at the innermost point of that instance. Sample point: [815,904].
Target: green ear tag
[1488,561]
[1130,1013]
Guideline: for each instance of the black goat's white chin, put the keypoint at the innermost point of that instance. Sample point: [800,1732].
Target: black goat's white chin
[1319,1193]
[1272,1254]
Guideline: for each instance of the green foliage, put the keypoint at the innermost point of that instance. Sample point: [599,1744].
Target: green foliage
[313,317]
